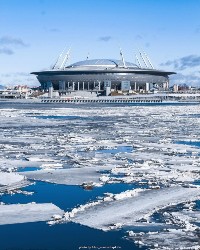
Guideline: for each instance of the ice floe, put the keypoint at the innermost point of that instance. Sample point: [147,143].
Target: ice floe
[127,209]
[31,212]
[10,178]
[101,145]
[72,176]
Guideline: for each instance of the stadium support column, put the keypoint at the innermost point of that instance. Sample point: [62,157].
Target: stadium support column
[78,86]
[108,91]
[147,87]
[73,86]
[83,85]
[166,85]
[62,87]
[50,94]
[107,87]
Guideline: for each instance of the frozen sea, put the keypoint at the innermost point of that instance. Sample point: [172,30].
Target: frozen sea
[99,176]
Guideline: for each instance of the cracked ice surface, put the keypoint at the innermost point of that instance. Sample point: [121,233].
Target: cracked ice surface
[129,210]
[170,239]
[12,181]
[31,212]
[85,142]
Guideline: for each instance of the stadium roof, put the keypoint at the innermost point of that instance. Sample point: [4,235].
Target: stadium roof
[110,63]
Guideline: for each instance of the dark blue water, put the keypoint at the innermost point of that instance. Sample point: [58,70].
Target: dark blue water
[24,169]
[61,236]
[63,196]
[70,236]
[190,143]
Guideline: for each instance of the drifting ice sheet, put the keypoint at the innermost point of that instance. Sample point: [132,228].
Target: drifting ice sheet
[72,176]
[10,178]
[31,212]
[127,211]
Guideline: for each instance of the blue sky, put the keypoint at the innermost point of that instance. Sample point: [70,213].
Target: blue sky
[34,32]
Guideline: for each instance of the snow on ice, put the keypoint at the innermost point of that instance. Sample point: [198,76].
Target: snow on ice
[127,209]
[31,212]
[114,144]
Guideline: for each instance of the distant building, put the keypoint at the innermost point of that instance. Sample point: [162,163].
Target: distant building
[175,88]
[18,91]
[104,76]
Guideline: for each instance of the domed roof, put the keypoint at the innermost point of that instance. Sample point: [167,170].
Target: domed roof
[106,63]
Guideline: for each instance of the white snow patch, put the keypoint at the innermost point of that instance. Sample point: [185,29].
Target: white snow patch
[70,176]
[31,212]
[10,178]
[128,211]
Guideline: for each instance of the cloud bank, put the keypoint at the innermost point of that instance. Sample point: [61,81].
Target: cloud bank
[183,63]
[7,40]
[192,79]
[9,44]
[6,51]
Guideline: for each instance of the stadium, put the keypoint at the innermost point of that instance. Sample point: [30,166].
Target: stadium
[104,76]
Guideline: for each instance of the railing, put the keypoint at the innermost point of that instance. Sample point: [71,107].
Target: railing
[101,101]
